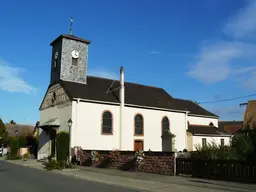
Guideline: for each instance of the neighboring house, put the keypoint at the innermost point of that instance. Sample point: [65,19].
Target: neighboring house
[112,114]
[200,135]
[19,130]
[230,127]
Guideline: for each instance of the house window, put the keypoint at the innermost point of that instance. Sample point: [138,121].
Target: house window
[138,125]
[138,145]
[107,123]
[204,142]
[211,124]
[222,142]
[165,125]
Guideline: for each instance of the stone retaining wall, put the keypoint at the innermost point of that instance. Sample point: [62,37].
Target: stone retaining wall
[153,162]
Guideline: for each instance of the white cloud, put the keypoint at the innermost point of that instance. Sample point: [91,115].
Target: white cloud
[215,62]
[11,81]
[101,72]
[243,24]
[154,52]
[218,61]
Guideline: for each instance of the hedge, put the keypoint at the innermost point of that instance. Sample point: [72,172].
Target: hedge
[62,146]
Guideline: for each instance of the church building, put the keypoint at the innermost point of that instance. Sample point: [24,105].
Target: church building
[107,114]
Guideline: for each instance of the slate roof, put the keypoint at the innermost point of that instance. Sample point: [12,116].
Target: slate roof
[72,37]
[97,88]
[205,130]
[230,126]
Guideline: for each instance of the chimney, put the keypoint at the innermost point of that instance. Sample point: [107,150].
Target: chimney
[121,97]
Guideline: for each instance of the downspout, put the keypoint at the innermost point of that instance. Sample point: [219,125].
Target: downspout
[121,96]
[77,104]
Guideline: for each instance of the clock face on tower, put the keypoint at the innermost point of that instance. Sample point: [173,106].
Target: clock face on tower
[75,54]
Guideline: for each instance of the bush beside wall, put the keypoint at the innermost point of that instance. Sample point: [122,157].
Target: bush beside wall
[62,146]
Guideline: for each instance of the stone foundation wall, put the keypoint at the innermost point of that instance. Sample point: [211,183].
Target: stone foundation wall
[153,162]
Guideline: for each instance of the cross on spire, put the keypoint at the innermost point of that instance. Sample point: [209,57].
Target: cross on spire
[71,22]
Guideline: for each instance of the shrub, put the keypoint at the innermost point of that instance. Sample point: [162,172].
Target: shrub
[58,165]
[22,141]
[14,146]
[26,156]
[113,155]
[212,151]
[11,156]
[52,165]
[62,146]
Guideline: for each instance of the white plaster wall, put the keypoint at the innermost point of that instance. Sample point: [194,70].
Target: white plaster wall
[217,140]
[87,119]
[202,120]
[153,128]
[86,128]
[63,114]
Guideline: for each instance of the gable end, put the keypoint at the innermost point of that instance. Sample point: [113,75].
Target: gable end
[55,96]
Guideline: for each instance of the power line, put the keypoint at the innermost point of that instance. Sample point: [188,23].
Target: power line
[230,99]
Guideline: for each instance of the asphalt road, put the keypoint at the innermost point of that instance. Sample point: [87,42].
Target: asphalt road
[15,178]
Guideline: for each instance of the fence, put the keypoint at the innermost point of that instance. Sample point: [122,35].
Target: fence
[228,170]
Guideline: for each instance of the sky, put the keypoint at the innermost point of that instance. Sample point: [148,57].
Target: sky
[200,50]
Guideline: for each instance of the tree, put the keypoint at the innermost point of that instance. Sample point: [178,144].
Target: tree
[3,133]
[12,122]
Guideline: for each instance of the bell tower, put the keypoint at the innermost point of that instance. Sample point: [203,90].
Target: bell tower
[69,59]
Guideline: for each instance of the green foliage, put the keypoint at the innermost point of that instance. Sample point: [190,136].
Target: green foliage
[12,156]
[242,147]
[58,165]
[52,165]
[3,133]
[26,156]
[14,146]
[62,146]
[12,122]
[22,141]
[213,151]
[244,142]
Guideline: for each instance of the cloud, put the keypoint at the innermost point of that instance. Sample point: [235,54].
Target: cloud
[215,62]
[154,52]
[11,81]
[219,60]
[101,72]
[243,24]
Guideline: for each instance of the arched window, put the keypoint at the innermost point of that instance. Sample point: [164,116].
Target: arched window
[211,124]
[165,125]
[107,123]
[138,124]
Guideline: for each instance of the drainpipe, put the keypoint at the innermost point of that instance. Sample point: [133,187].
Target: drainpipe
[77,107]
[186,126]
[121,96]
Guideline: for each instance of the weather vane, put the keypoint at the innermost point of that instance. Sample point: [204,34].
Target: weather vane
[71,22]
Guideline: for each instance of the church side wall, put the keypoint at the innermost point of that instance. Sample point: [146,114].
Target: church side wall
[87,119]
[193,120]
[153,128]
